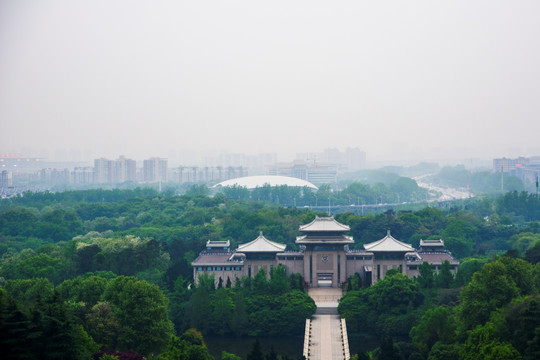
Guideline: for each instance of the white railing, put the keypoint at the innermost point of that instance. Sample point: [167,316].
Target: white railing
[345,339]
[307,339]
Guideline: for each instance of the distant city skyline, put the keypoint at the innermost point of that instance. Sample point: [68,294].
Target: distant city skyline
[402,81]
[200,158]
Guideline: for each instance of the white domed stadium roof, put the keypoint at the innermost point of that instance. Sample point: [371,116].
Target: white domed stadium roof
[252,182]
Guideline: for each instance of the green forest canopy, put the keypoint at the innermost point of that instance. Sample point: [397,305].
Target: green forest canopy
[63,254]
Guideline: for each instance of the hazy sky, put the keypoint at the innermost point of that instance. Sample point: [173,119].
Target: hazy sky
[398,79]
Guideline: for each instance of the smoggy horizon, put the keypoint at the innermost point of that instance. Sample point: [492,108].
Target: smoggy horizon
[401,81]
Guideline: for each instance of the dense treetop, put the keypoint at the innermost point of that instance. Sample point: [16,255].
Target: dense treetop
[91,259]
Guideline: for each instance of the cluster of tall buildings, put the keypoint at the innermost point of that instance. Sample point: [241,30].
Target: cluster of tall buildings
[122,170]
[525,168]
[317,168]
[195,174]
[321,168]
[351,159]
[6,179]
[104,171]
[314,172]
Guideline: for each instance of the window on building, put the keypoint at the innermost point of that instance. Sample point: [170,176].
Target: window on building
[227,268]
[237,268]
[208,268]
[199,268]
[219,268]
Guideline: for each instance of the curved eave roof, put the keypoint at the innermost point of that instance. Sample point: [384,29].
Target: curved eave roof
[306,239]
[253,182]
[261,244]
[212,259]
[388,244]
[322,224]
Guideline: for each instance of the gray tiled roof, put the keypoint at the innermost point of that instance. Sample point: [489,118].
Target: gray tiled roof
[261,244]
[388,244]
[324,224]
[211,258]
[436,257]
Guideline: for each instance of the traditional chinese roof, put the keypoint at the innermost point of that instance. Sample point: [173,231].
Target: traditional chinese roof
[218,244]
[388,244]
[210,258]
[324,224]
[261,244]
[432,243]
[327,240]
[435,258]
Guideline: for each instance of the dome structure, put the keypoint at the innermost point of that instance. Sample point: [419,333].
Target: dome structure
[252,182]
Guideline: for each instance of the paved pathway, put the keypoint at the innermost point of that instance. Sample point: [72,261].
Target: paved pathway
[326,335]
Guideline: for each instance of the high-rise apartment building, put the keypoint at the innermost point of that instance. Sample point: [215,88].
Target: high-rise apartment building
[54,176]
[103,171]
[316,173]
[114,171]
[82,175]
[527,169]
[155,170]
[355,159]
[6,179]
[125,170]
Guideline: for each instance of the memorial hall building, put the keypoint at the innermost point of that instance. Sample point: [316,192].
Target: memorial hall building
[324,259]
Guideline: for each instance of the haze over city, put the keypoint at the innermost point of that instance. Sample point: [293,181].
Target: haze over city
[402,81]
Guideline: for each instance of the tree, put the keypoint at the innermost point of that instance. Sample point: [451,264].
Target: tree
[189,346]
[256,352]
[493,287]
[482,344]
[445,277]
[13,329]
[178,301]
[441,351]
[386,308]
[259,282]
[87,290]
[436,324]
[102,325]
[466,270]
[199,309]
[222,311]
[228,356]
[141,309]
[388,350]
[532,255]
[519,324]
[279,283]
[394,293]
[28,292]
[240,316]
[272,355]
[54,333]
[220,283]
